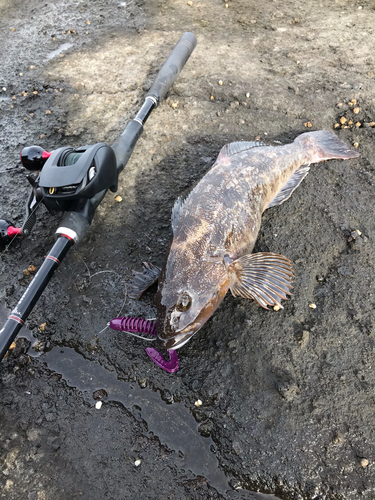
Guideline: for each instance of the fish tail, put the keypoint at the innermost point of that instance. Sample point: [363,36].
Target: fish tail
[326,145]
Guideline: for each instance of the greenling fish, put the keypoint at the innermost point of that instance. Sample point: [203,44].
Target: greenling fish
[215,229]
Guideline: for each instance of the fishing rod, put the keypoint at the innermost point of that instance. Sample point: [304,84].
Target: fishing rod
[75,181]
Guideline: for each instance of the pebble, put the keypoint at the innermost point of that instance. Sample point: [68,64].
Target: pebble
[356,111]
[42,327]
[226,6]
[32,67]
[98,405]
[356,144]
[137,463]
[364,462]
[308,124]
[8,485]
[338,439]
[118,198]
[343,120]
[353,102]
[313,306]
[12,29]
[337,125]
[276,308]
[88,22]
[174,104]
[48,112]
[358,124]
[4,89]
[248,95]
[198,402]
[220,82]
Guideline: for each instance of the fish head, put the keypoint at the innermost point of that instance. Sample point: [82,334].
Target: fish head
[187,298]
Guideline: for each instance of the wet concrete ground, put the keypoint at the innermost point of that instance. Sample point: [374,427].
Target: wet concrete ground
[288,395]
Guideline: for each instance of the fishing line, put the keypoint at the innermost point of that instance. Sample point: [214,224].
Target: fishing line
[140,337]
[100,272]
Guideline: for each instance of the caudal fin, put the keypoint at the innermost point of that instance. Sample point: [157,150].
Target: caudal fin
[326,145]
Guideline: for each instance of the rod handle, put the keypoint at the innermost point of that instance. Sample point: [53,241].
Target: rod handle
[172,66]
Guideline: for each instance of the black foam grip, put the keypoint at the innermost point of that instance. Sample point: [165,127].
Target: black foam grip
[173,66]
[125,143]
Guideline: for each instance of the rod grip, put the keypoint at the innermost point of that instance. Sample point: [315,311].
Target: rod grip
[172,66]
[125,143]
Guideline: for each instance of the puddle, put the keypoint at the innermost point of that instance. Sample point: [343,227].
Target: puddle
[54,53]
[173,424]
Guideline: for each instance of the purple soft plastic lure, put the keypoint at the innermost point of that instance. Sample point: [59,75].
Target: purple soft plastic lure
[144,326]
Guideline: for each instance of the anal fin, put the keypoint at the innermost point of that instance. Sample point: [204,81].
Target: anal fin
[141,281]
[290,186]
[264,277]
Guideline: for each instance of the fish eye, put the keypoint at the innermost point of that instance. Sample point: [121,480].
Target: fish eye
[183,302]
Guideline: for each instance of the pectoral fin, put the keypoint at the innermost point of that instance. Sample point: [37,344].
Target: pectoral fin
[264,277]
[140,281]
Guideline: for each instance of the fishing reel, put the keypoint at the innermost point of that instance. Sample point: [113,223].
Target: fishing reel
[62,178]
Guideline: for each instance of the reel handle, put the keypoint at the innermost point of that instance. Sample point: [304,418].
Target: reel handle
[172,66]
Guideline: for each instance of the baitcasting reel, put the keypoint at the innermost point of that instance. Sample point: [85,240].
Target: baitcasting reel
[65,176]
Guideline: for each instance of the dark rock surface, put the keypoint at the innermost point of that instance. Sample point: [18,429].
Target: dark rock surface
[287,396]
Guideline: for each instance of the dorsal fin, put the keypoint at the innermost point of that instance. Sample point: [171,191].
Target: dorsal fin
[290,186]
[176,212]
[237,147]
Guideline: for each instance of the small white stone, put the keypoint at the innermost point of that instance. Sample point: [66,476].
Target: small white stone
[4,89]
[276,308]
[137,463]
[248,94]
[98,405]
[220,82]
[313,306]
[198,402]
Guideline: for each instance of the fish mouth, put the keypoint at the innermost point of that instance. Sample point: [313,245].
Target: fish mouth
[178,340]
[175,342]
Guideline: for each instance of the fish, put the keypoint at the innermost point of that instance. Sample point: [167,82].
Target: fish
[215,229]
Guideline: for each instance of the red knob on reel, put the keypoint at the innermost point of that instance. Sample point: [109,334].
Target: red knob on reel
[7,232]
